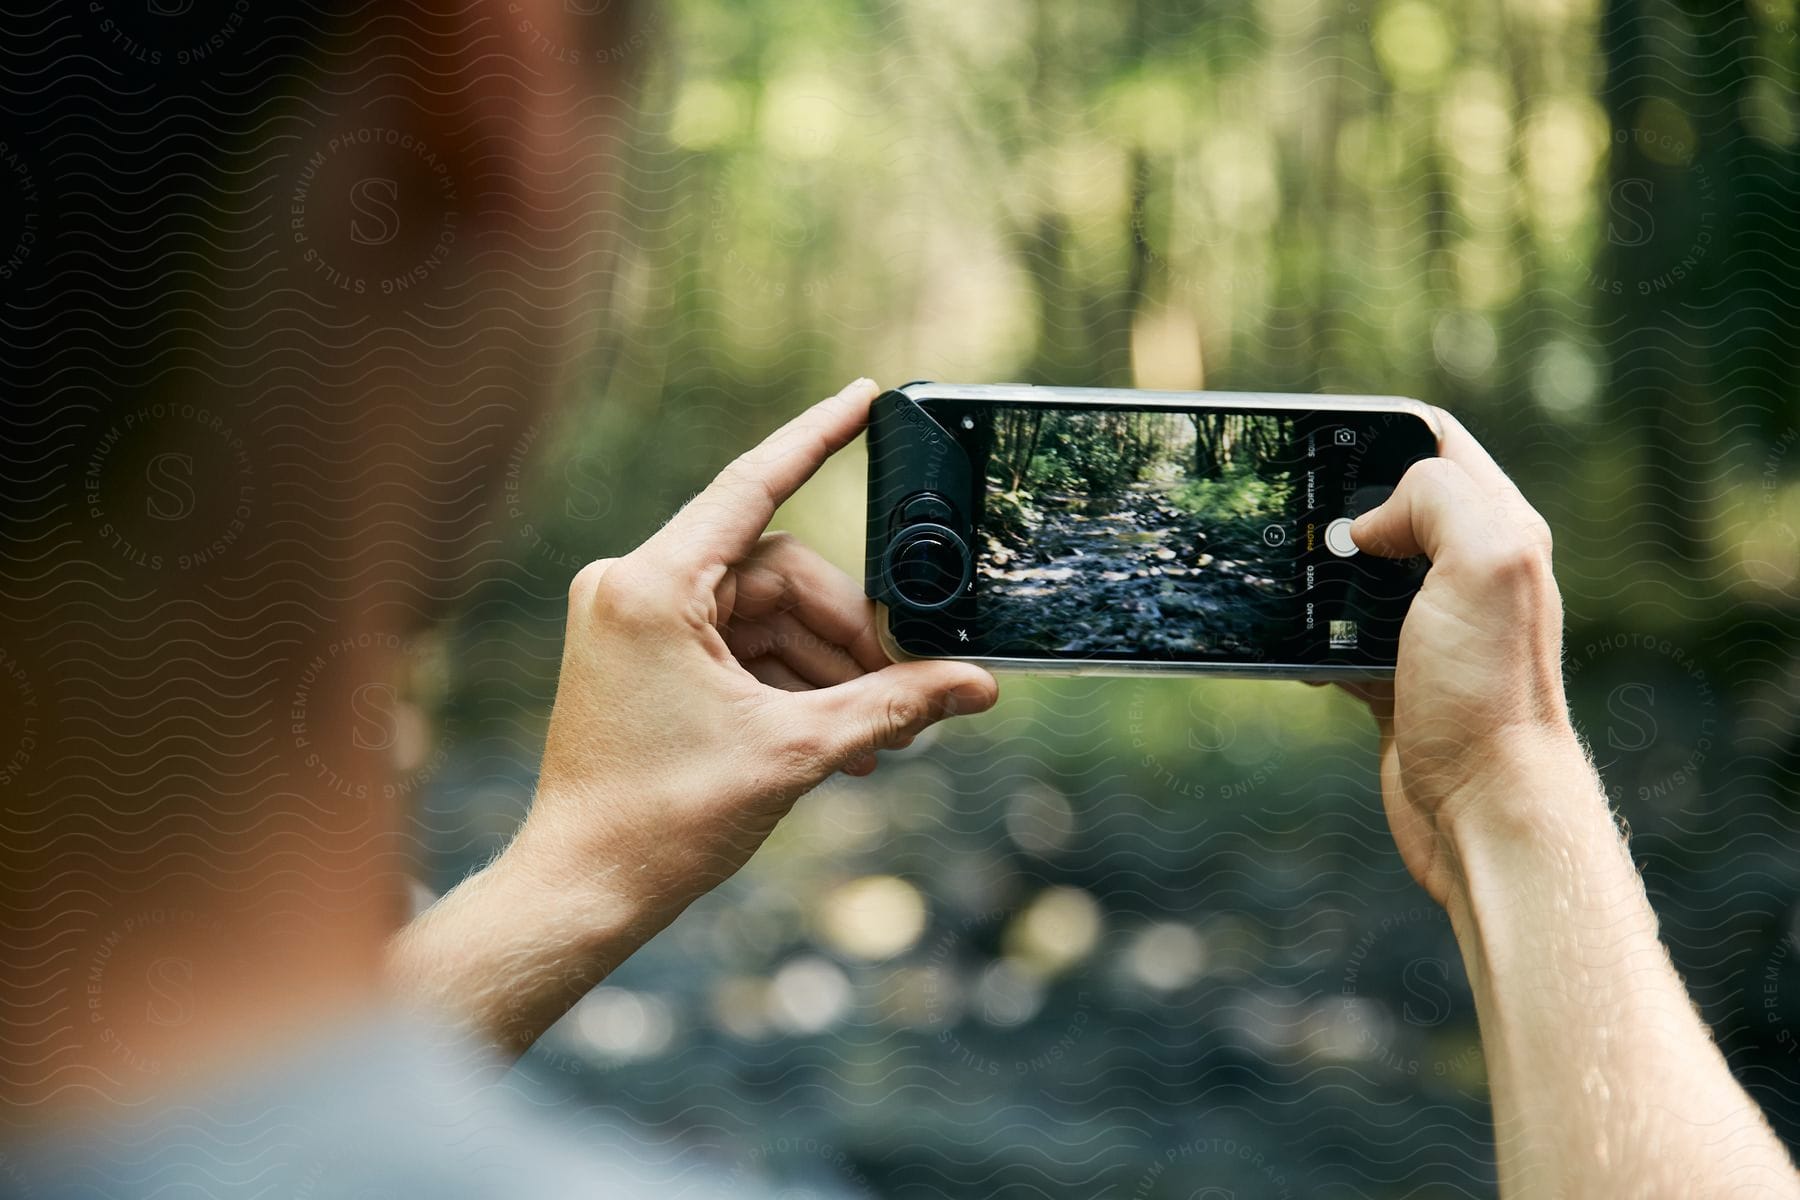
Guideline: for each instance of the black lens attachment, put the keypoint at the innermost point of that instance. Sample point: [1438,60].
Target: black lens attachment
[927,566]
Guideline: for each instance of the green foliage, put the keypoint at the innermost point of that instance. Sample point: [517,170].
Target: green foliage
[1092,465]
[1233,507]
[1096,455]
[1052,471]
[1239,493]
[1009,513]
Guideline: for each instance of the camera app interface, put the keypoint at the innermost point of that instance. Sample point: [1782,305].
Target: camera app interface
[1162,534]
[1133,533]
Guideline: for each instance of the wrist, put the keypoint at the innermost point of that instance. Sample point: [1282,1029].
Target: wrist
[554,880]
[1542,883]
[1534,817]
[520,941]
[513,946]
[1526,788]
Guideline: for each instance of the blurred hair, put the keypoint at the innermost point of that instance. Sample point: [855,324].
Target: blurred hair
[134,131]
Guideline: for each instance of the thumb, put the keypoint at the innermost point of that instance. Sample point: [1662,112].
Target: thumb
[885,709]
[1436,509]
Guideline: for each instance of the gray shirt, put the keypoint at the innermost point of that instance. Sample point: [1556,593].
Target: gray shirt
[389,1111]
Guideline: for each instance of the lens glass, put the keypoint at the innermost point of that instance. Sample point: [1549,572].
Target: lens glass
[928,568]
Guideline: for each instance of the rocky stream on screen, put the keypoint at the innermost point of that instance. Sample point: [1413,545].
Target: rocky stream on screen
[1129,572]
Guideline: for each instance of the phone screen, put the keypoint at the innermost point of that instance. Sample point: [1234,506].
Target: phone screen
[1210,535]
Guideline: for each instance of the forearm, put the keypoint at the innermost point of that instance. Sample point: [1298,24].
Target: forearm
[1604,1079]
[510,949]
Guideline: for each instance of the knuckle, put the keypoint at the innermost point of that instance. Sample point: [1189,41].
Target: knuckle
[1523,561]
[1537,530]
[695,608]
[743,478]
[1430,473]
[1519,564]
[902,718]
[586,584]
[1426,475]
[624,598]
[777,541]
[817,444]
[808,752]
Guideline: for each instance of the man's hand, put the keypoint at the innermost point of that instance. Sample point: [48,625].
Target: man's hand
[709,679]
[1479,681]
[717,673]
[1604,1080]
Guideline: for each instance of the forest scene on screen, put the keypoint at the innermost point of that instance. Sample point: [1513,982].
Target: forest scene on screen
[1159,534]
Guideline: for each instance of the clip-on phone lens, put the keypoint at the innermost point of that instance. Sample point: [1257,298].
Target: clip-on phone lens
[928,566]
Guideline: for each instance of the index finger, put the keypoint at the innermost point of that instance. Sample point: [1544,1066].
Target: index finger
[722,523]
[1457,444]
[1511,507]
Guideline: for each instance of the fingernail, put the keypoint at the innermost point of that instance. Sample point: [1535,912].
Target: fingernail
[860,383]
[965,698]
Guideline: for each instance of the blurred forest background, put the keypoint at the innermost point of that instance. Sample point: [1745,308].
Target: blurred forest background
[1144,938]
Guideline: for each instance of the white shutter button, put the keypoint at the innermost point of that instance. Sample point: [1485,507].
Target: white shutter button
[1337,538]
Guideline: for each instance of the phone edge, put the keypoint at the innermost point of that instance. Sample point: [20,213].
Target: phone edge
[1027,393]
[1108,666]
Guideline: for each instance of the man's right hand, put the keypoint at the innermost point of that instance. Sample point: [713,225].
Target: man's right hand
[1604,1080]
[1478,688]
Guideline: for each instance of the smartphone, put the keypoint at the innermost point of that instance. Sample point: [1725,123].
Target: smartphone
[1096,530]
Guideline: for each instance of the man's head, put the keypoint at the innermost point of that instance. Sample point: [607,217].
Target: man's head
[292,279]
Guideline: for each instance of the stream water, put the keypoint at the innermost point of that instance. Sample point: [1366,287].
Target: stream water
[1128,573]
